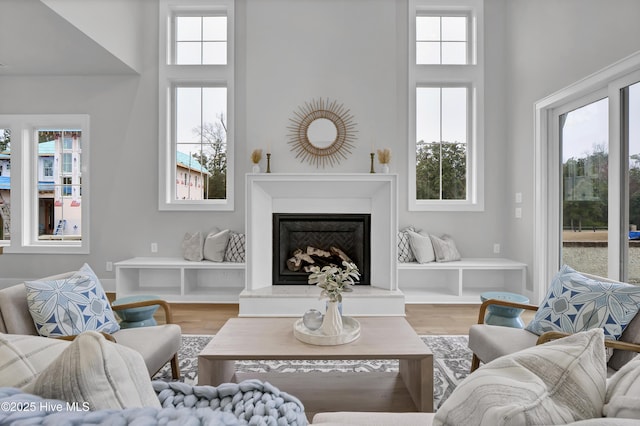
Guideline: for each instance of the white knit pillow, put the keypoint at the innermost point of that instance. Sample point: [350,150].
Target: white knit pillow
[98,372]
[552,384]
[23,357]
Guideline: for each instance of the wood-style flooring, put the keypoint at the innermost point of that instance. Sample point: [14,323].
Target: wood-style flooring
[434,319]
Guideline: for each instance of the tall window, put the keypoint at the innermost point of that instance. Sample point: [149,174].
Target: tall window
[5,185]
[441,150]
[48,155]
[196,105]
[446,118]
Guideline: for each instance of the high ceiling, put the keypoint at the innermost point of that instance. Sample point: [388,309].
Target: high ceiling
[34,40]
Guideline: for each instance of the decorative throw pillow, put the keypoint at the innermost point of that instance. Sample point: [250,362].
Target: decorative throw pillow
[576,303]
[192,247]
[623,392]
[100,373]
[235,248]
[421,247]
[444,248]
[70,306]
[556,383]
[23,357]
[215,245]
[404,248]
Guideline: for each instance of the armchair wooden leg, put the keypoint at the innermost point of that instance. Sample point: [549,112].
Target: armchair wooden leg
[475,363]
[175,367]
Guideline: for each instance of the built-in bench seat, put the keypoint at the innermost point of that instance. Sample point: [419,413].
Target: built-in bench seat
[460,281]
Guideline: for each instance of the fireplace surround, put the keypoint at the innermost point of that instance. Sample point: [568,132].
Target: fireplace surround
[329,194]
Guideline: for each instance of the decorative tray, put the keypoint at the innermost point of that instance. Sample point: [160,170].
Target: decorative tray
[350,332]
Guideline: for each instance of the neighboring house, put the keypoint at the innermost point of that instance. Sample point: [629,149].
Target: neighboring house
[191,178]
[59,188]
[60,191]
[5,168]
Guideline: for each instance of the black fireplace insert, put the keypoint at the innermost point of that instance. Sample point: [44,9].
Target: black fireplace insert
[341,235]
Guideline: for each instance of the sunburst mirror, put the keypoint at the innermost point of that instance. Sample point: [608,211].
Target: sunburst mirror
[322,132]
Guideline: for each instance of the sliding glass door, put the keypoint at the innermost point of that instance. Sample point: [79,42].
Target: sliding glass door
[630,96]
[599,176]
[584,144]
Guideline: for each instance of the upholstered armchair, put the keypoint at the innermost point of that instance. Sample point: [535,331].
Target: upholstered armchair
[488,342]
[157,344]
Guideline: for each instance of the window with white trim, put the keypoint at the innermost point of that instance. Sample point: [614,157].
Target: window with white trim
[446,81]
[196,105]
[44,206]
[5,185]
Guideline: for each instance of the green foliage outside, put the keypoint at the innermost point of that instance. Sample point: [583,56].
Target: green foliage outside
[214,157]
[441,160]
[585,190]
[5,139]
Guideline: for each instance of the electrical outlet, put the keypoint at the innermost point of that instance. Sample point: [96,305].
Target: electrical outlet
[518,213]
[496,248]
[518,197]
[109,266]
[154,247]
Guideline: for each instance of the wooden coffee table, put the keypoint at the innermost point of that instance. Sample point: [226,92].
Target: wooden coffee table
[411,389]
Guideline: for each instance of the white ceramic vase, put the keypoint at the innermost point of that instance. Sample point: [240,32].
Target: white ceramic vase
[256,168]
[385,168]
[332,323]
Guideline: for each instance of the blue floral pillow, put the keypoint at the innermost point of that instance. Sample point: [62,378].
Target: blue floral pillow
[71,305]
[576,303]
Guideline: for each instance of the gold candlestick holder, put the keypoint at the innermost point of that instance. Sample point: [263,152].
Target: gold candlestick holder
[372,157]
[268,162]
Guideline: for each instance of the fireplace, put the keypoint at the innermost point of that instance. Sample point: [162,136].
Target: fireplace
[319,239]
[331,194]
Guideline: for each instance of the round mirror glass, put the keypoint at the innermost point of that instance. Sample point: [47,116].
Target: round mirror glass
[322,132]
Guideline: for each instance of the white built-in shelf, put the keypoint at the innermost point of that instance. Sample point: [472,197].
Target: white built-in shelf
[179,280]
[460,281]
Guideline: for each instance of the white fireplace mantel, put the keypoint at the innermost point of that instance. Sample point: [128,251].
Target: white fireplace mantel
[268,193]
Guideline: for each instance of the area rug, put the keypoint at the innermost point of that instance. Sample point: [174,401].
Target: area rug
[451,363]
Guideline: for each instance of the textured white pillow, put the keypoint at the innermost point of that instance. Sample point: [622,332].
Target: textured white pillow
[96,371]
[23,357]
[421,247]
[215,245]
[444,248]
[192,246]
[623,392]
[556,383]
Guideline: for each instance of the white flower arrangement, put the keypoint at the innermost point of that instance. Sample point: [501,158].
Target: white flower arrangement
[334,280]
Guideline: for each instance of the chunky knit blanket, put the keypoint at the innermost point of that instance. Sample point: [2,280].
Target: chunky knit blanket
[250,402]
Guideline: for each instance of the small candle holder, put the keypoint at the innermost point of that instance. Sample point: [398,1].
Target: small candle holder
[372,157]
[268,162]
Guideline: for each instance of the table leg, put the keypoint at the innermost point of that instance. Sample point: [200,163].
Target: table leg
[214,372]
[417,375]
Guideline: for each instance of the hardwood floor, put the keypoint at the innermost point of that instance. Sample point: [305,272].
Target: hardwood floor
[425,319]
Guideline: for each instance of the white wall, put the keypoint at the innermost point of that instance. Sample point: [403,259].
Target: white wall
[353,51]
[551,44]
